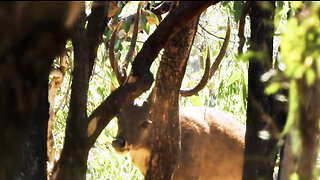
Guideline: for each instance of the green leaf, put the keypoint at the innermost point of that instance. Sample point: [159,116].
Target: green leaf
[272,88]
[154,17]
[125,26]
[120,7]
[318,66]
[243,95]
[280,4]
[310,76]
[294,176]
[293,107]
[100,91]
[238,7]
[144,23]
[296,4]
[195,100]
[118,45]
[227,5]
[299,71]
[235,77]
[107,33]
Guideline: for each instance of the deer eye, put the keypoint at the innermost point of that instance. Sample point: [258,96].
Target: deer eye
[144,124]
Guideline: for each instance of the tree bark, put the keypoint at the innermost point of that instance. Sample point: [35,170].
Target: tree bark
[288,161]
[73,161]
[309,113]
[165,107]
[263,112]
[33,157]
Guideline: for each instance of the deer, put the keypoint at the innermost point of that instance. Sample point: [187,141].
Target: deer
[212,142]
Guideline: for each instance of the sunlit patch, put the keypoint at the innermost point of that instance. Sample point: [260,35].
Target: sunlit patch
[264,134]
[266,76]
[92,126]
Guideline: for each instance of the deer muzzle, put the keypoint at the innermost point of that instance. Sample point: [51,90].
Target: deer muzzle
[118,144]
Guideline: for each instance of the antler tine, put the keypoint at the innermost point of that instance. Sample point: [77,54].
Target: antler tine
[202,82]
[222,52]
[113,60]
[133,40]
[120,72]
[209,73]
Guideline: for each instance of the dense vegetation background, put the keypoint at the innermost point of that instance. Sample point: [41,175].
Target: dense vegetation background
[268,80]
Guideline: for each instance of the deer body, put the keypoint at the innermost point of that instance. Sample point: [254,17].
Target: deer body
[212,143]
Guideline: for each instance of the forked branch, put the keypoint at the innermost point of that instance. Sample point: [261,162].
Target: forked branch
[209,71]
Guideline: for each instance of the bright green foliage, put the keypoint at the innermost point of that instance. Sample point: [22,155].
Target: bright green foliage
[272,88]
[293,107]
[294,176]
[300,54]
[154,17]
[238,7]
[300,44]
[144,23]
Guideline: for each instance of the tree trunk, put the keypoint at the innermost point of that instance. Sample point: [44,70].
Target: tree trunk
[73,161]
[288,161]
[309,113]
[33,158]
[33,34]
[263,112]
[165,107]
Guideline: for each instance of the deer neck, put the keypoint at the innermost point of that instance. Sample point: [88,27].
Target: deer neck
[140,158]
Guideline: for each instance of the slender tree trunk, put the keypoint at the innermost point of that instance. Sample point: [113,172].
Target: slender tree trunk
[263,113]
[73,161]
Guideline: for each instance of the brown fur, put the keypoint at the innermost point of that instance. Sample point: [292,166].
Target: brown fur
[212,143]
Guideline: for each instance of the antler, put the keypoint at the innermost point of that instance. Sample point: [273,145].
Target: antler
[120,72]
[209,72]
[134,39]
[113,60]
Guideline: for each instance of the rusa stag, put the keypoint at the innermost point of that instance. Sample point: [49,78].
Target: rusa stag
[212,143]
